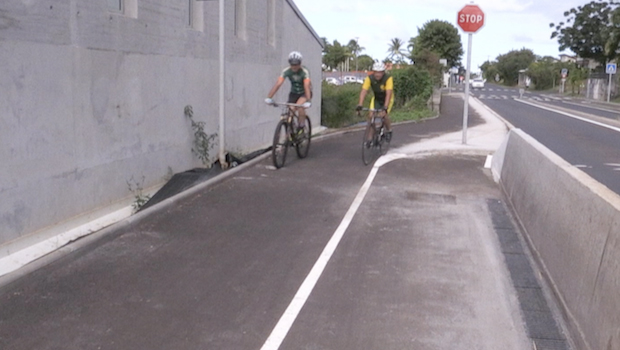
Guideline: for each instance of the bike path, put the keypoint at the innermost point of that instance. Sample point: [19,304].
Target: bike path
[417,266]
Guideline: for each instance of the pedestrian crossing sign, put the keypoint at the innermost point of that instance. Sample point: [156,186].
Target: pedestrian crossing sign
[611,68]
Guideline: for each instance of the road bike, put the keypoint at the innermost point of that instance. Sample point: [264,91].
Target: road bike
[289,134]
[375,142]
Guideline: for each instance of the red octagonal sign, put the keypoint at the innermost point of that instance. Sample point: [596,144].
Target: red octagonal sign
[470,18]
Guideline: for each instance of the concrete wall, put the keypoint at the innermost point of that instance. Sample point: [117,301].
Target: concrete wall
[91,98]
[572,223]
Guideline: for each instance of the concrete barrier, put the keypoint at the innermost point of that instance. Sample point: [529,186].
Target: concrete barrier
[572,224]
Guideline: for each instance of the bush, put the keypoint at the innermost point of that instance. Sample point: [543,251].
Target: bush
[338,105]
[413,86]
[411,82]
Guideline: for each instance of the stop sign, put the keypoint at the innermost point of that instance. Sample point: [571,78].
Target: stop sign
[470,18]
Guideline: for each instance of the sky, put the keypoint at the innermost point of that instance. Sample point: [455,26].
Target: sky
[508,25]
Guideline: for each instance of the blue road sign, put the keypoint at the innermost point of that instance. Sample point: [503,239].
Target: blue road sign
[611,68]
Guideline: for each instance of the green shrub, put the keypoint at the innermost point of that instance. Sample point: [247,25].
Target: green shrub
[413,86]
[338,105]
[411,82]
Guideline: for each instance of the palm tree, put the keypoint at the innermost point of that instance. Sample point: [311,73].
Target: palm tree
[355,49]
[396,50]
[413,42]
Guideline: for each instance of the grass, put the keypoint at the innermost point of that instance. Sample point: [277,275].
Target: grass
[405,115]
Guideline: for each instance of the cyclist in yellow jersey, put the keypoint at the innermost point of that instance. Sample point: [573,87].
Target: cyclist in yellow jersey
[382,86]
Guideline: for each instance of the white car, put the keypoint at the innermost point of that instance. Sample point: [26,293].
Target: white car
[478,83]
[350,79]
[332,81]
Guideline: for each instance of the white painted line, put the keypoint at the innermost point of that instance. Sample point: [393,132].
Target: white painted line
[581,166]
[587,105]
[487,162]
[613,164]
[571,115]
[287,319]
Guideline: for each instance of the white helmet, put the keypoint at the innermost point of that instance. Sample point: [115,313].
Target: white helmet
[294,57]
[378,67]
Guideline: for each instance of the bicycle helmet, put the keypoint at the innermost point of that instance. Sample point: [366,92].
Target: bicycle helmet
[378,67]
[294,57]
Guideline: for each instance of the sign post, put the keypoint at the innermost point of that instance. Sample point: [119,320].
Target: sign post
[611,70]
[564,73]
[470,19]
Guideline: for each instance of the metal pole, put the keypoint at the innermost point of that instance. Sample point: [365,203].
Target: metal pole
[222,154]
[609,89]
[466,104]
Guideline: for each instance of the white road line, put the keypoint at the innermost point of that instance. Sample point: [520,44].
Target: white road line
[292,311]
[615,166]
[571,115]
[587,105]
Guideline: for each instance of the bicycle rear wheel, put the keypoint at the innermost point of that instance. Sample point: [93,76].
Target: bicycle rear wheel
[280,144]
[369,146]
[302,144]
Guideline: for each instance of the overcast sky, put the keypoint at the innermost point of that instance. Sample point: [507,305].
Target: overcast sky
[509,24]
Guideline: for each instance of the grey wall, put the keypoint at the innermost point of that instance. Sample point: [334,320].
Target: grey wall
[90,98]
[573,225]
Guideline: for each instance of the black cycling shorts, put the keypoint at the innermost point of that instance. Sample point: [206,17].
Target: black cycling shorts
[293,98]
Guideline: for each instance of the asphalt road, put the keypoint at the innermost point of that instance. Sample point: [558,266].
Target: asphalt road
[326,253]
[592,148]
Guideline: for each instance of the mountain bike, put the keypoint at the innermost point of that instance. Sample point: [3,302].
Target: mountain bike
[289,134]
[375,140]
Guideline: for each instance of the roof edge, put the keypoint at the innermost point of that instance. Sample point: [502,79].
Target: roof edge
[306,23]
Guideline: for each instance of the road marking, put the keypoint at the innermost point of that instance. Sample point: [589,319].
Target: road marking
[587,105]
[287,319]
[582,166]
[615,166]
[571,115]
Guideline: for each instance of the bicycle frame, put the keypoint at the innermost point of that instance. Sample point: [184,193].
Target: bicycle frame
[287,111]
[374,142]
[289,121]
[374,116]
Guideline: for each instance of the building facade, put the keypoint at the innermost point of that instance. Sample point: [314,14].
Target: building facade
[93,95]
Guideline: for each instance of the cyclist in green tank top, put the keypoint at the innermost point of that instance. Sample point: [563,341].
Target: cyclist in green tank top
[301,86]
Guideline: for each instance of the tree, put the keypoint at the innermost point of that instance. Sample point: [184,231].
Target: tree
[440,37]
[490,71]
[544,73]
[429,60]
[355,49]
[334,55]
[396,51]
[511,63]
[576,76]
[365,62]
[591,31]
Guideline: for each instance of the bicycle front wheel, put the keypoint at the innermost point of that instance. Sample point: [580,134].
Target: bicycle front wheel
[303,140]
[369,146]
[280,144]
[384,144]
